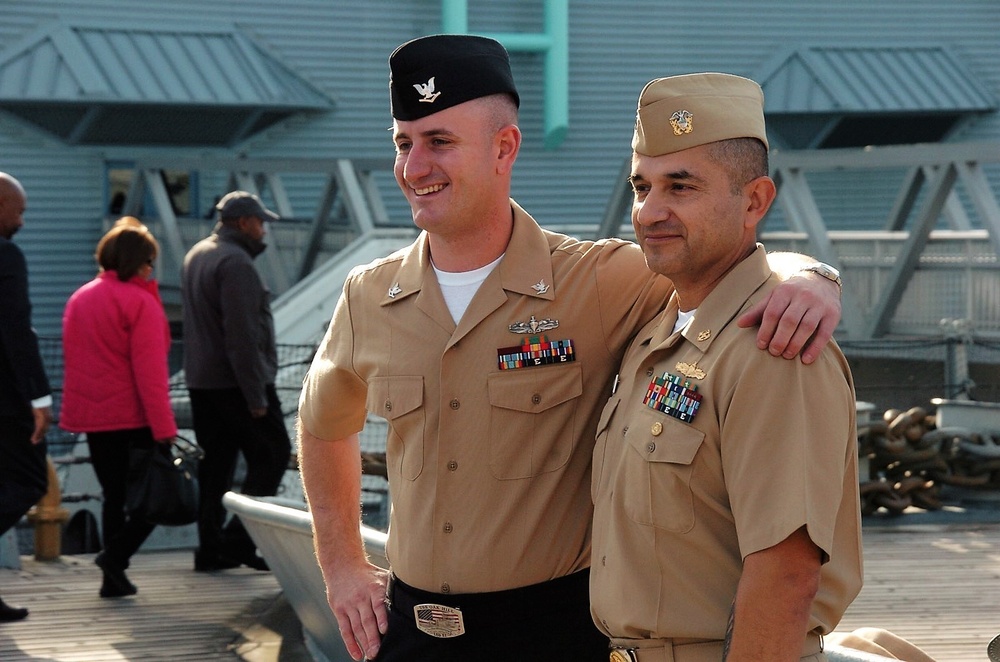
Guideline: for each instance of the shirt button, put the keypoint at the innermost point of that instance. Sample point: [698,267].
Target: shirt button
[453,465]
[445,588]
[604,560]
[388,405]
[535,399]
[650,447]
[649,371]
[455,404]
[447,527]
[624,430]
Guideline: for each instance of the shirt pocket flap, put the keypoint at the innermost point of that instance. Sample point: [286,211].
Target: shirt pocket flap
[676,442]
[533,390]
[391,397]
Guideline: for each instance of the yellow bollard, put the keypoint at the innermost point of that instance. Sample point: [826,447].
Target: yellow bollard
[48,516]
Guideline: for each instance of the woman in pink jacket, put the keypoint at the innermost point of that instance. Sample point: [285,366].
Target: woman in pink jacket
[115,387]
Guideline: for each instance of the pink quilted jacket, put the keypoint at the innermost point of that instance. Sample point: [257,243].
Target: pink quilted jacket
[115,344]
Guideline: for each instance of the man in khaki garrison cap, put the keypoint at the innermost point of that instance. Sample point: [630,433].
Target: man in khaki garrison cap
[489,346]
[725,480]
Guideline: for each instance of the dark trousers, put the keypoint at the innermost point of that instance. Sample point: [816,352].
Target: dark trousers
[224,428]
[109,454]
[23,469]
[540,623]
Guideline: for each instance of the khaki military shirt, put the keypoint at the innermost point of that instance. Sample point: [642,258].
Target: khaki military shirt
[732,451]
[489,468]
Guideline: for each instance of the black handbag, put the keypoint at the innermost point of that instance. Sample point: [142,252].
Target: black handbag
[163,483]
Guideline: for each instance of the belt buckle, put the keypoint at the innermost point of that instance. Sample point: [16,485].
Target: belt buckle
[623,655]
[439,621]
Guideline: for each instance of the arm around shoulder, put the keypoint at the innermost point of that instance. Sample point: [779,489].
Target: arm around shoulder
[800,315]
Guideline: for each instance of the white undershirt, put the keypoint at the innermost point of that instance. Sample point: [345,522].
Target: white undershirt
[459,287]
[683,319]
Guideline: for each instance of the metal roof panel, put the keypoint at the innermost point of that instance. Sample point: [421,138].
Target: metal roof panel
[872,80]
[90,68]
[157,66]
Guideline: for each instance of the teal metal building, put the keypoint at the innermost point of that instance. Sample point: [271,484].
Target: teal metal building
[159,107]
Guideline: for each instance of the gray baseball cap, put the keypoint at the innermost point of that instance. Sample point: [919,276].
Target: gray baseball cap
[242,203]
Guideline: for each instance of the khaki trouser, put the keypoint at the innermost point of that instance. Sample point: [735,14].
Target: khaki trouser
[676,650]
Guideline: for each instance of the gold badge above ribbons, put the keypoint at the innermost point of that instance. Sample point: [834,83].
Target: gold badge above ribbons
[690,370]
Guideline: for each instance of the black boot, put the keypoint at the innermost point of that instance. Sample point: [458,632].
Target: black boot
[116,583]
[8,613]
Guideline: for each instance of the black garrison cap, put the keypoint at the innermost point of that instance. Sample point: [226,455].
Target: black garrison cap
[430,74]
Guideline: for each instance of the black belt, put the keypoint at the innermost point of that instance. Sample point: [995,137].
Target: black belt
[481,611]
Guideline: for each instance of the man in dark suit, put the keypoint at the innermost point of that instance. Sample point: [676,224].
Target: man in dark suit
[25,398]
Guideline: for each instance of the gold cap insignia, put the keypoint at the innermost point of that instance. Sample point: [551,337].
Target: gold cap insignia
[682,121]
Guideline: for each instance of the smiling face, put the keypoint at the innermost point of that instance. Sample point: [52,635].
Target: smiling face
[454,166]
[693,222]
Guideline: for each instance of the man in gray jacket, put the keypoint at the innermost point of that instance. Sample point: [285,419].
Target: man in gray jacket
[230,364]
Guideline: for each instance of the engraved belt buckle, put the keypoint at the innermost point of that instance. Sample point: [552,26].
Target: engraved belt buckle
[623,655]
[439,620]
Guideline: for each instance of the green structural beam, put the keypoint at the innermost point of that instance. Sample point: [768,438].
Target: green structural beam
[553,43]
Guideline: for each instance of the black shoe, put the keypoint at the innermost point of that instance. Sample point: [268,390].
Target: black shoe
[8,613]
[111,589]
[116,583]
[251,560]
[231,558]
[212,562]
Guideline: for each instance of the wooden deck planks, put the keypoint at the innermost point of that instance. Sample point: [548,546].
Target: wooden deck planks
[938,586]
[177,615]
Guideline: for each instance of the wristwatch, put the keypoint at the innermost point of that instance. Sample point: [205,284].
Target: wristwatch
[826,271]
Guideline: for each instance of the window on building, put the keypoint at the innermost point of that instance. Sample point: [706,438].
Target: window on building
[180,186]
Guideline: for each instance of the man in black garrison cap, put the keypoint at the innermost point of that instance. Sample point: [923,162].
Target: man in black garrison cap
[489,345]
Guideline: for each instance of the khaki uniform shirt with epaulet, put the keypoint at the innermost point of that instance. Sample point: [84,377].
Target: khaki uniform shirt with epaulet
[489,468]
[711,450]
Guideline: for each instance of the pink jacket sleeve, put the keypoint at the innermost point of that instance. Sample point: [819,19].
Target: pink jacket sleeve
[149,346]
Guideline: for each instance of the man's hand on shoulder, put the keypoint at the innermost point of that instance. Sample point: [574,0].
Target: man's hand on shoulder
[798,316]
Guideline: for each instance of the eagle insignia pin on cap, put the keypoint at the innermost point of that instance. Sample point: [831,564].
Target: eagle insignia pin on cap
[682,121]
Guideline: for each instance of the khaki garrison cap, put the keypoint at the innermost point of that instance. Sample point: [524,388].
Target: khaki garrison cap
[686,111]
